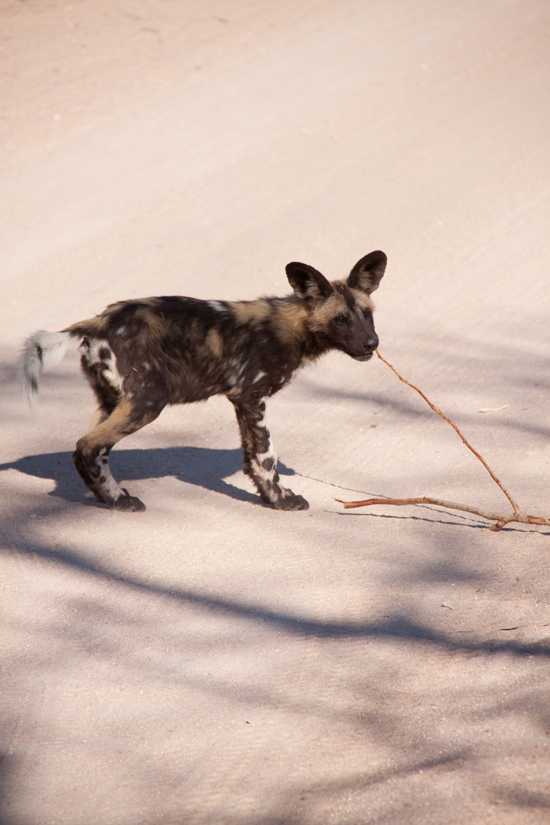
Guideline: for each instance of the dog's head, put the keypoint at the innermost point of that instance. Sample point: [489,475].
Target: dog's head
[340,313]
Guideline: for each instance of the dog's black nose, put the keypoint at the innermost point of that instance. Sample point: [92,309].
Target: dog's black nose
[372,343]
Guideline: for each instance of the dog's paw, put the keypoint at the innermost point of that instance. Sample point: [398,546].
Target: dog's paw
[129,503]
[290,501]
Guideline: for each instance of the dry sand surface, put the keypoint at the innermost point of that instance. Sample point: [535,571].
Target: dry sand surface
[212,662]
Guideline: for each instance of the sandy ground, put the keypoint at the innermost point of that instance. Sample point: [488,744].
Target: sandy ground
[212,661]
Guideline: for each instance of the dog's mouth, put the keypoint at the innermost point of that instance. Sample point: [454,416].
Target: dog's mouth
[365,357]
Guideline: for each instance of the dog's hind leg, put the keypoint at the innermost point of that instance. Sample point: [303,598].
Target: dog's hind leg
[107,401]
[91,457]
[260,461]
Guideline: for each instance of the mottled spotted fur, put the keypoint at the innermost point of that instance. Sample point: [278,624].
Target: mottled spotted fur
[141,355]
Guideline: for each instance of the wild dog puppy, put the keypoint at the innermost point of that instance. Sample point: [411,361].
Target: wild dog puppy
[140,355]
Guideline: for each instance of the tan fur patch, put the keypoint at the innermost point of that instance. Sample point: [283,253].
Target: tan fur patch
[157,325]
[289,321]
[247,311]
[362,299]
[96,324]
[109,431]
[214,342]
[329,309]
[98,418]
[148,302]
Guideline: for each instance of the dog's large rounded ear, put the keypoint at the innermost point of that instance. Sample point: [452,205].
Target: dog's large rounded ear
[307,282]
[368,272]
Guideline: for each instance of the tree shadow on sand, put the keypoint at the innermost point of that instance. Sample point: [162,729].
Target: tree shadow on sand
[201,466]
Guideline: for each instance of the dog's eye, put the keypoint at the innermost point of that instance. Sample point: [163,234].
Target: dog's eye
[341,320]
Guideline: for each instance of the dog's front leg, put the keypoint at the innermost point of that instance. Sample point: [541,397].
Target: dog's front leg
[260,460]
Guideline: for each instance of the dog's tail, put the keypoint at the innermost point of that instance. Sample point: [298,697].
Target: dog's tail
[44,350]
[41,351]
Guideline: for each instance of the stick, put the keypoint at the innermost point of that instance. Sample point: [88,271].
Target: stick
[451,423]
[499,519]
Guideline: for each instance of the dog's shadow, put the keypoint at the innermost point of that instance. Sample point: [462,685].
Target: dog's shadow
[201,466]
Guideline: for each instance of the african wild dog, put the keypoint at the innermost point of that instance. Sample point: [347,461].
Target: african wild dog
[140,355]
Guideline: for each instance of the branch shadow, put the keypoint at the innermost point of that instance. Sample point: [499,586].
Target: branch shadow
[519,797]
[472,524]
[522,366]
[411,409]
[394,627]
[7,770]
[383,722]
[200,466]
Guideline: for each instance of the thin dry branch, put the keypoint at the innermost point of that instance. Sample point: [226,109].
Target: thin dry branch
[455,427]
[499,519]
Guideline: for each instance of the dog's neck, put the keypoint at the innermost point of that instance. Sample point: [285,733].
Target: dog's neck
[292,316]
